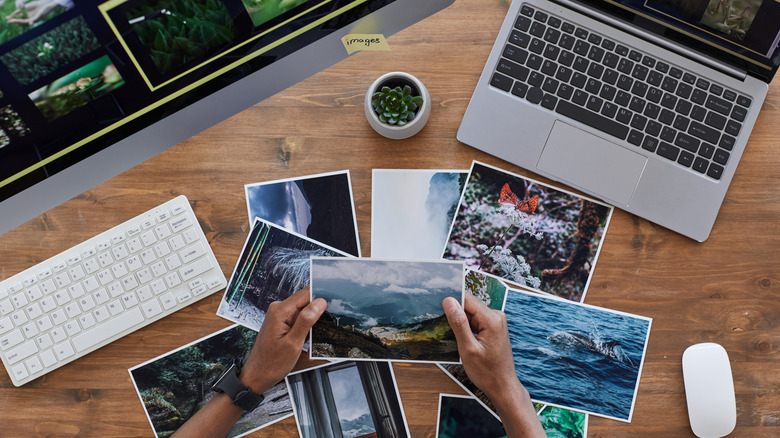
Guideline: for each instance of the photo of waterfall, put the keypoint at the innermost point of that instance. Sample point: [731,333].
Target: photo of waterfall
[412,210]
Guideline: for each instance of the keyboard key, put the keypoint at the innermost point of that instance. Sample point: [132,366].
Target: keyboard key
[733,128]
[720,105]
[554,22]
[729,95]
[699,97]
[706,150]
[650,143]
[635,137]
[625,66]
[610,76]
[662,67]
[702,83]
[499,81]
[48,358]
[552,35]
[715,120]
[520,89]
[744,101]
[727,142]
[687,142]
[523,23]
[715,171]
[668,134]
[609,109]
[685,159]
[534,95]
[689,78]
[698,113]
[700,164]
[669,84]
[716,89]
[587,117]
[676,73]
[527,11]
[580,97]
[681,122]
[624,116]
[668,151]
[738,113]
[537,29]
[704,132]
[721,156]
[519,39]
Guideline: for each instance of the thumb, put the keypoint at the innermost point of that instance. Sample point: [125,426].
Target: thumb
[459,322]
[306,319]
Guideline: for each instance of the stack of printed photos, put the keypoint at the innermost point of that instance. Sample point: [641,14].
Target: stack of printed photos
[520,246]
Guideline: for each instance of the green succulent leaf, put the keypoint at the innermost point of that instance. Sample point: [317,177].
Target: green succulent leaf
[396,106]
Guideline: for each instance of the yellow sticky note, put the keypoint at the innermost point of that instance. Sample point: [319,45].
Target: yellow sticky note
[364,41]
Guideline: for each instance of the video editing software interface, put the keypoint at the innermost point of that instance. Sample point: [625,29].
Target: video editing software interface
[77,76]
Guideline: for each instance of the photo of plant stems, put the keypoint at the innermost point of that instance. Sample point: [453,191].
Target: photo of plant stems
[77,88]
[273,265]
[17,17]
[174,386]
[12,126]
[527,233]
[44,54]
[177,33]
[563,423]
[262,11]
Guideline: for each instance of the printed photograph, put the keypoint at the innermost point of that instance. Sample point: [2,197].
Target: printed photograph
[488,288]
[316,206]
[174,386]
[577,356]
[527,233]
[77,88]
[19,16]
[385,309]
[349,400]
[12,127]
[462,416]
[563,423]
[176,34]
[46,53]
[263,11]
[273,265]
[731,17]
[412,210]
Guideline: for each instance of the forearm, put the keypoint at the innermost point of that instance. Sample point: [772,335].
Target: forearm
[214,419]
[517,412]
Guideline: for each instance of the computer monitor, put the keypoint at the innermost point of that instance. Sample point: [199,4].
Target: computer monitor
[90,90]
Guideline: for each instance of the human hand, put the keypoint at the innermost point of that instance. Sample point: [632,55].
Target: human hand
[487,357]
[280,340]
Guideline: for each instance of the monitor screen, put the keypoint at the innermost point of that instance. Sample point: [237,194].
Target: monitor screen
[78,77]
[745,32]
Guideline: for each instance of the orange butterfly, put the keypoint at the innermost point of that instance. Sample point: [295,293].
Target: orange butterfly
[507,197]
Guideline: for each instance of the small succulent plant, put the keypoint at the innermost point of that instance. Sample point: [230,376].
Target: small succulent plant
[396,106]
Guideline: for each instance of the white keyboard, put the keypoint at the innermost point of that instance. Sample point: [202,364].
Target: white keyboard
[104,288]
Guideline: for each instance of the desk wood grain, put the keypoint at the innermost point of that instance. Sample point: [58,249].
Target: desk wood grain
[725,290]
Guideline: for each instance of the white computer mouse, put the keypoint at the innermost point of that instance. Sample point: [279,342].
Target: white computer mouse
[709,390]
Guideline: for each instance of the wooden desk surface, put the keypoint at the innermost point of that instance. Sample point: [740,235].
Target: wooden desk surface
[725,290]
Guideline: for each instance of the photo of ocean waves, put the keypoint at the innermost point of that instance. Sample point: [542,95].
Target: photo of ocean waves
[576,356]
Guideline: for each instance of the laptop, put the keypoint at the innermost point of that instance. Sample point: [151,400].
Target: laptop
[646,104]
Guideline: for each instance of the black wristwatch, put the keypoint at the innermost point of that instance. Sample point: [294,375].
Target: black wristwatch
[239,394]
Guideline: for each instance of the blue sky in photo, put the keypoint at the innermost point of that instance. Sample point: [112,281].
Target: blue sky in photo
[382,292]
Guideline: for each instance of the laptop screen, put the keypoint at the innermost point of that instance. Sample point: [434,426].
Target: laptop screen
[746,32]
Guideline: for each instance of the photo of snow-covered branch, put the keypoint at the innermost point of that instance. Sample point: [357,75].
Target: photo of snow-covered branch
[527,233]
[273,265]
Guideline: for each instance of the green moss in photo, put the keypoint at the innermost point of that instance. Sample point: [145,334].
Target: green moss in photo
[177,33]
[46,53]
[262,11]
[18,19]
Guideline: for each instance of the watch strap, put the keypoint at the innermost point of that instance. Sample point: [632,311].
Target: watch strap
[240,394]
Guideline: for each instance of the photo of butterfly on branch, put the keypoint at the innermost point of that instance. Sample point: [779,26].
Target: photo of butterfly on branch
[528,233]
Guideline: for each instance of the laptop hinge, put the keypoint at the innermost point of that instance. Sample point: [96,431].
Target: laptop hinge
[655,39]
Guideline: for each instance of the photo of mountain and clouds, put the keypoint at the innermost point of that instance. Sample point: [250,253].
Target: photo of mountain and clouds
[316,206]
[385,309]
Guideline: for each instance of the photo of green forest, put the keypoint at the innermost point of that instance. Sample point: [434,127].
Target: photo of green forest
[44,54]
[263,11]
[527,233]
[173,387]
[178,33]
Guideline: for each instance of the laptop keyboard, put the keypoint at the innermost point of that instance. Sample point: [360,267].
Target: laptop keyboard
[620,91]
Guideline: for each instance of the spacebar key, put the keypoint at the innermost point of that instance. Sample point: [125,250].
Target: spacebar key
[592,119]
[111,328]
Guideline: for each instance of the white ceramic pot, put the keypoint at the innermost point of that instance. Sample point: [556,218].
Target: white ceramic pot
[394,131]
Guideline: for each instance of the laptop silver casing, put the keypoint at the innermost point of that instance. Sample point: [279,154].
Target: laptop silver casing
[663,192]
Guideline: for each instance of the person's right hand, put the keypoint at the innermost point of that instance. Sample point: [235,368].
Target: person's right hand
[487,357]
[483,344]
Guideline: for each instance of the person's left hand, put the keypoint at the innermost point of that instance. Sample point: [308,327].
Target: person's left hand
[280,341]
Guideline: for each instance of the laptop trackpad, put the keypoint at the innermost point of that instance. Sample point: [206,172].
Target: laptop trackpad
[592,163]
